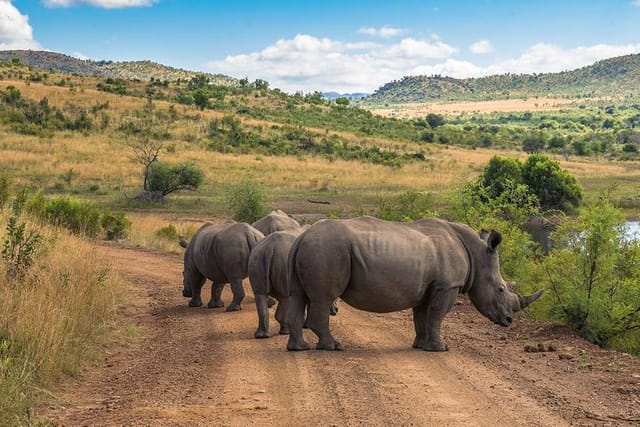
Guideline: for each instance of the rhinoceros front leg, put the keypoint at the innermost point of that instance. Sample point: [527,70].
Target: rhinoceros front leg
[216,292]
[428,318]
[238,295]
[262,306]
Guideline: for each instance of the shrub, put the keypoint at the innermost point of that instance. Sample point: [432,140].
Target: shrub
[76,215]
[594,278]
[245,200]
[408,206]
[116,225]
[168,232]
[5,189]
[19,248]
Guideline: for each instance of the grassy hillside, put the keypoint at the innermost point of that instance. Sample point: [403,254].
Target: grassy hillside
[607,78]
[129,70]
[56,129]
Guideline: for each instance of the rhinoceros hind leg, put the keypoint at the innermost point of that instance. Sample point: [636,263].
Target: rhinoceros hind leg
[238,295]
[262,308]
[281,315]
[216,291]
[295,320]
[318,320]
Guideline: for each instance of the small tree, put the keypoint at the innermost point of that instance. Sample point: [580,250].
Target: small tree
[435,120]
[554,187]
[164,178]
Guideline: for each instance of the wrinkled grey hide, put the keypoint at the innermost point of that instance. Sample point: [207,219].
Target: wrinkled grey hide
[220,253]
[277,220]
[268,276]
[382,266]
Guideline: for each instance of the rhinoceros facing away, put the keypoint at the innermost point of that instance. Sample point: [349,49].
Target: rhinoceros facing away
[220,253]
[381,266]
[277,220]
[268,277]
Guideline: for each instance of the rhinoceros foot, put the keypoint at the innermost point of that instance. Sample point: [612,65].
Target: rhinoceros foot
[283,331]
[215,304]
[261,334]
[430,345]
[195,303]
[330,346]
[234,307]
[297,345]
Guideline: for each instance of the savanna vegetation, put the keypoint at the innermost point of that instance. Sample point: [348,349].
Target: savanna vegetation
[143,162]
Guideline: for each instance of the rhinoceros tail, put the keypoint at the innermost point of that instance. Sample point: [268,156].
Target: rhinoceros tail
[183,242]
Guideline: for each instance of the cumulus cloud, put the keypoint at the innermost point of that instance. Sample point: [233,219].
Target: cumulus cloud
[308,63]
[482,47]
[107,4]
[15,31]
[384,31]
[549,58]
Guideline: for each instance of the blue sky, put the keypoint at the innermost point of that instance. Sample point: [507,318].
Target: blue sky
[344,46]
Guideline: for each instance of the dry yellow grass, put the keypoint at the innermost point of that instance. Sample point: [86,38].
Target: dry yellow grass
[52,317]
[413,110]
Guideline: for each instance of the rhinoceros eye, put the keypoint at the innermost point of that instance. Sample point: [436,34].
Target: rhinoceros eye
[501,289]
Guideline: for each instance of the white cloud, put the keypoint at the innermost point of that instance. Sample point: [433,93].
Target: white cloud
[384,31]
[482,47]
[107,4]
[635,3]
[79,55]
[307,63]
[549,58]
[15,31]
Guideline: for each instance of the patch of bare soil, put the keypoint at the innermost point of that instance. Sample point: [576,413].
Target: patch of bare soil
[202,367]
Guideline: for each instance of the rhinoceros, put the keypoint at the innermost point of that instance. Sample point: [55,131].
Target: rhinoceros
[268,276]
[382,266]
[277,220]
[220,253]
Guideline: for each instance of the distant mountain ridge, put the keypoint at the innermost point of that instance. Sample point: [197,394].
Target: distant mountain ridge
[128,70]
[609,77]
[335,95]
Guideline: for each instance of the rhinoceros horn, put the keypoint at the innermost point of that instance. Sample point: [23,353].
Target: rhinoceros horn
[523,302]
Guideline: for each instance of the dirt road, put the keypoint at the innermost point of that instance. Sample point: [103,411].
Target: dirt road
[185,366]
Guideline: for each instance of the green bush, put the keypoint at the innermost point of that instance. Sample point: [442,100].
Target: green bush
[19,248]
[76,215]
[246,200]
[408,206]
[116,225]
[5,189]
[593,276]
[169,232]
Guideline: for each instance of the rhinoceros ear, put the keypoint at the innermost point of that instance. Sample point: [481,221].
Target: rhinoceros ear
[494,240]
[484,234]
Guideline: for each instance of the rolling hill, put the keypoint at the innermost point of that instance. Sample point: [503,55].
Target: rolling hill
[127,70]
[609,77]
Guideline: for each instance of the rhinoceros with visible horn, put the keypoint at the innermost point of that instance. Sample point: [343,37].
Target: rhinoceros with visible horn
[220,253]
[277,220]
[382,266]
